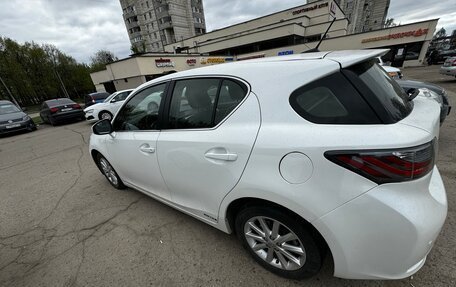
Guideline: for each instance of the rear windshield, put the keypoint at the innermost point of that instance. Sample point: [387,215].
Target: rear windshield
[59,102]
[384,88]
[100,96]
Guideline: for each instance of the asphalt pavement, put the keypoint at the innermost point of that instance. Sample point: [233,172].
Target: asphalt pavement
[62,224]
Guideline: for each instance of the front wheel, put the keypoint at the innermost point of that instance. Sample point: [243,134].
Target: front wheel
[109,172]
[279,242]
[105,116]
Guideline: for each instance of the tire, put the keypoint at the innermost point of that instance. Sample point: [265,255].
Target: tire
[109,172]
[105,115]
[52,121]
[272,252]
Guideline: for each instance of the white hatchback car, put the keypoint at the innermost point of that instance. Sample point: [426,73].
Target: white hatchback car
[108,107]
[298,155]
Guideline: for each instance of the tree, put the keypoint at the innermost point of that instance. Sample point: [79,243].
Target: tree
[440,33]
[100,59]
[389,23]
[34,73]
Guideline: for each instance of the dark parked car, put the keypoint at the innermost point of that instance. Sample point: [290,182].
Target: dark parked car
[95,98]
[436,57]
[444,103]
[58,110]
[13,119]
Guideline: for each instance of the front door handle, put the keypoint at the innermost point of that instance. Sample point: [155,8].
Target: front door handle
[222,156]
[147,148]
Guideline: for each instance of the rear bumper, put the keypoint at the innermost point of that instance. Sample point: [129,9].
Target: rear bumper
[79,114]
[387,232]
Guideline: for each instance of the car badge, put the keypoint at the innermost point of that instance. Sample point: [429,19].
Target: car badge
[10,121]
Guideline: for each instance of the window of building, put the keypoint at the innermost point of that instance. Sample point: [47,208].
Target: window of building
[147,4]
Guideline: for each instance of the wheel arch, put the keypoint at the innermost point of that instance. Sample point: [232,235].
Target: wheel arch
[238,204]
[104,111]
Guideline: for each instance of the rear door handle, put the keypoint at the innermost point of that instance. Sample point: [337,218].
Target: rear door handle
[222,156]
[147,148]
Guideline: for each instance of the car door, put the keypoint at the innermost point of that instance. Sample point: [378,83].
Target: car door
[203,150]
[132,145]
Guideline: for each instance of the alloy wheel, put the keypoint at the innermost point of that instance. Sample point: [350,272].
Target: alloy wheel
[109,171]
[106,116]
[275,243]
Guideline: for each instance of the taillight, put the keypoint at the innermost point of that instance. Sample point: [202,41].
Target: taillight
[384,166]
[454,62]
[76,106]
[54,110]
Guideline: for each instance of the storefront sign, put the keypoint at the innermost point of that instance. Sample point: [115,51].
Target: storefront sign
[162,63]
[416,33]
[251,57]
[311,8]
[283,53]
[217,60]
[191,62]
[332,9]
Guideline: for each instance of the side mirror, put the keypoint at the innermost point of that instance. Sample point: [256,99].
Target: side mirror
[113,101]
[103,127]
[412,93]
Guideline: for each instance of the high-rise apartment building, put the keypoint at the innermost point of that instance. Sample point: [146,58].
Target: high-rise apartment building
[364,15]
[152,24]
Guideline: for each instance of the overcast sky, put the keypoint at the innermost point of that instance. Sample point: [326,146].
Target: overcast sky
[81,27]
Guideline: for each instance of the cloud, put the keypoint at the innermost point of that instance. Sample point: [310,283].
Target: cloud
[78,27]
[82,27]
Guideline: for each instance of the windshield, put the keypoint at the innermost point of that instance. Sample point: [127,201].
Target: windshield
[8,109]
[385,89]
[109,98]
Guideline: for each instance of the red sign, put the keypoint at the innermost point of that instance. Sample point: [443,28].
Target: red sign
[416,33]
[191,62]
[160,63]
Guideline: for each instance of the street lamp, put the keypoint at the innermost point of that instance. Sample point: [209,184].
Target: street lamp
[2,49]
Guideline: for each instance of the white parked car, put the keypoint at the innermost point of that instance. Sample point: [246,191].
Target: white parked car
[449,67]
[395,73]
[108,108]
[298,155]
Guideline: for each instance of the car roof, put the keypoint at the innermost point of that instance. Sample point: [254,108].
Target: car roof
[58,99]
[246,69]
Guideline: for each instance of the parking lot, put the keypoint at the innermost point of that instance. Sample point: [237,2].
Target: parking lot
[62,224]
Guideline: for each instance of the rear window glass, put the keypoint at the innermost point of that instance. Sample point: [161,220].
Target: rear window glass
[100,96]
[332,100]
[391,96]
[54,103]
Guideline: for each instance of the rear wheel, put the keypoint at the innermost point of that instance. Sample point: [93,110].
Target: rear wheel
[279,242]
[105,115]
[109,172]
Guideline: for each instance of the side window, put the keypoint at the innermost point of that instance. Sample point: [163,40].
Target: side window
[203,103]
[120,97]
[192,103]
[141,111]
[332,100]
[231,94]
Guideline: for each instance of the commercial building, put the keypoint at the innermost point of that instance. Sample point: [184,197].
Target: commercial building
[151,24]
[291,31]
[363,15]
